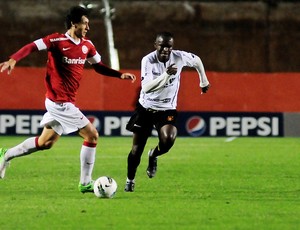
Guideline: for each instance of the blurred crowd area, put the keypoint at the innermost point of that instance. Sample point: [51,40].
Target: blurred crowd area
[229,36]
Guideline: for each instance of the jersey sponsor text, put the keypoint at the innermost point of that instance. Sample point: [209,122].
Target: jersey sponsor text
[73,60]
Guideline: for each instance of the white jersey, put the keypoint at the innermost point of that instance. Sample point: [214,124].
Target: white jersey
[160,90]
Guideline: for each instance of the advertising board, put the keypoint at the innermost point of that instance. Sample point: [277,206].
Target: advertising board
[194,124]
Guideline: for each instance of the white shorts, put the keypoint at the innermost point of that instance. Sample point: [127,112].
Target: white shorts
[63,118]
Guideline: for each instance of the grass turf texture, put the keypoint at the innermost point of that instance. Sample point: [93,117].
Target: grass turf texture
[202,183]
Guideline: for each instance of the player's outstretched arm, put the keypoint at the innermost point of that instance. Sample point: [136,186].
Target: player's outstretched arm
[8,65]
[21,53]
[107,71]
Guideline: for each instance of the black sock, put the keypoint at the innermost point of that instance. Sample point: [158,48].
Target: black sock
[155,152]
[133,162]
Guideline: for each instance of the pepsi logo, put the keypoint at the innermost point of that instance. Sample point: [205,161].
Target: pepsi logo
[95,121]
[195,126]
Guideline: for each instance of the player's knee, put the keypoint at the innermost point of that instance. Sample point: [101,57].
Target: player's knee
[166,143]
[168,139]
[168,134]
[93,137]
[136,150]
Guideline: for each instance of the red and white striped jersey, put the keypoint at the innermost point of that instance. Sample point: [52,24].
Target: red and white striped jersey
[66,59]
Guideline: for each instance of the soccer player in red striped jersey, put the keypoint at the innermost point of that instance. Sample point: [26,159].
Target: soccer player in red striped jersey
[67,54]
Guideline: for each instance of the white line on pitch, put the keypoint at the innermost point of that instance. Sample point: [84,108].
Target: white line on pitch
[229,139]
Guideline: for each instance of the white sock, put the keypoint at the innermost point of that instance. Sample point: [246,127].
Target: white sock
[128,180]
[87,160]
[26,147]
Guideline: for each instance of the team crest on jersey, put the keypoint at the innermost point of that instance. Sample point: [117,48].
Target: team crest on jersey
[84,49]
[170,118]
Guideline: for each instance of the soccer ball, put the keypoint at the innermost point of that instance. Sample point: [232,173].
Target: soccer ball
[105,187]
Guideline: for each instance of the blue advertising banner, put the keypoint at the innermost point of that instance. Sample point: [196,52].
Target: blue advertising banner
[230,124]
[194,124]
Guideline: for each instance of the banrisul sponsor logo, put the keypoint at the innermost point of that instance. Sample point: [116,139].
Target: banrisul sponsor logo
[73,60]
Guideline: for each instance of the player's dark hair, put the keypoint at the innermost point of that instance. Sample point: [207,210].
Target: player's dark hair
[74,15]
[165,35]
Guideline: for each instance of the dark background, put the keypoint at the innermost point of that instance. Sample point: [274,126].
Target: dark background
[229,36]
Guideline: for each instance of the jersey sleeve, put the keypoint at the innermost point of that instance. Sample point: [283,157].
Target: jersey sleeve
[93,56]
[105,70]
[45,42]
[95,59]
[39,44]
[149,84]
[24,51]
[192,60]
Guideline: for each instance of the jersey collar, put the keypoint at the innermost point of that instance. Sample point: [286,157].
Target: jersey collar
[72,39]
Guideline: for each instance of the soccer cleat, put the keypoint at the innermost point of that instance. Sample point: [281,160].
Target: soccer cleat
[3,162]
[152,164]
[129,187]
[86,188]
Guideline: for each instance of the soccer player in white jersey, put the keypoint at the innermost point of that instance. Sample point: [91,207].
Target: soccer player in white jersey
[67,54]
[160,79]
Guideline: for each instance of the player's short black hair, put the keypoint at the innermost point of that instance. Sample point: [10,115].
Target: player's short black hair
[74,15]
[164,34]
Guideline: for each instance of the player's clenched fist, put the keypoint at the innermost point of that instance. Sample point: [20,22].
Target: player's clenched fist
[172,69]
[205,89]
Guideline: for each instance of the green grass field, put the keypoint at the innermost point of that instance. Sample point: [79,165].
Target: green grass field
[202,183]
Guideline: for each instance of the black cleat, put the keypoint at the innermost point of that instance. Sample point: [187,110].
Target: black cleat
[152,164]
[129,187]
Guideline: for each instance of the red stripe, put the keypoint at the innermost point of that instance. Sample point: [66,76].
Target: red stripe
[88,144]
[37,143]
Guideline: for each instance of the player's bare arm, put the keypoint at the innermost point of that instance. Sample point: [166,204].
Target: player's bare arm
[8,65]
